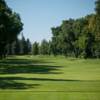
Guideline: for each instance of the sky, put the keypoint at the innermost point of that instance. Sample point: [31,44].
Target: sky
[38,16]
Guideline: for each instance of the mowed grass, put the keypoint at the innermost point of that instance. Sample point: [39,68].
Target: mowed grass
[49,78]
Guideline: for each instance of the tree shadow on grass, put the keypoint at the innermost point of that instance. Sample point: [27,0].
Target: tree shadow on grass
[36,79]
[16,66]
[29,69]
[24,66]
[23,61]
[11,84]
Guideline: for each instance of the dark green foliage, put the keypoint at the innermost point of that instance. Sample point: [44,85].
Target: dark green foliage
[19,47]
[74,37]
[35,48]
[97,7]
[55,44]
[10,26]
[44,48]
[29,46]
[23,46]
[79,38]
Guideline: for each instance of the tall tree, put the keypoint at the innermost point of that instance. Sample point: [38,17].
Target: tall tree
[35,48]
[44,48]
[29,46]
[10,26]
[23,45]
[55,44]
[17,46]
[98,25]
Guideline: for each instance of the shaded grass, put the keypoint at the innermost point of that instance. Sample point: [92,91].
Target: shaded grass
[15,66]
[6,84]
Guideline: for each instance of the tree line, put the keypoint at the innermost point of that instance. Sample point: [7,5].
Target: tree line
[19,47]
[74,37]
[43,48]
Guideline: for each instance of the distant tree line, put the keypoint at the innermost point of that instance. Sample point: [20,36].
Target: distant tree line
[41,49]
[19,47]
[78,38]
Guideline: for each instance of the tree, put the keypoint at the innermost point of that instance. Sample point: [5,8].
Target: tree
[35,48]
[55,43]
[68,36]
[44,48]
[25,46]
[29,46]
[94,27]
[10,26]
[63,38]
[17,47]
[97,7]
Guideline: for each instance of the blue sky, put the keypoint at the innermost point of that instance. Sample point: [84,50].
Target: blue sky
[39,16]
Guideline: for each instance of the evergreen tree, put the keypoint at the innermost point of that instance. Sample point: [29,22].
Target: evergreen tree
[35,48]
[29,46]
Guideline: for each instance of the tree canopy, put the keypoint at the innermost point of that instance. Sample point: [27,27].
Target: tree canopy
[78,37]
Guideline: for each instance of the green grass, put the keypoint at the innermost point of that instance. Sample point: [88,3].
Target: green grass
[49,78]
